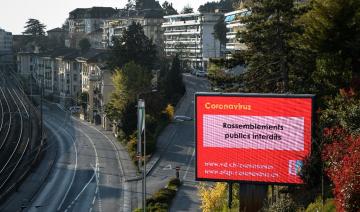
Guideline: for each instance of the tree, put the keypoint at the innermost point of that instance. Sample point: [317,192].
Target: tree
[187,9]
[343,157]
[168,8]
[220,30]
[332,37]
[128,81]
[224,5]
[268,32]
[84,45]
[208,7]
[130,5]
[174,87]
[133,45]
[34,27]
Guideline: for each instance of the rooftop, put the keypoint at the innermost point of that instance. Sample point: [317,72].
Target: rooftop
[94,12]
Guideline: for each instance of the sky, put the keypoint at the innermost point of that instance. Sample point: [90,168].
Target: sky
[52,13]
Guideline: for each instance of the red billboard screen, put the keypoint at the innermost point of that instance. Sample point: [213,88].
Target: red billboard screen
[252,137]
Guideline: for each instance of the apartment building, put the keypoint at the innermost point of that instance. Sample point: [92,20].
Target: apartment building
[234,25]
[86,20]
[26,62]
[150,20]
[6,44]
[192,37]
[83,21]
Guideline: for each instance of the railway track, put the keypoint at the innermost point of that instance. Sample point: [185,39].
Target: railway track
[17,136]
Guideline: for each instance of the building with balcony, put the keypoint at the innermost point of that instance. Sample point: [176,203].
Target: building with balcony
[191,36]
[83,21]
[86,20]
[149,19]
[6,45]
[234,25]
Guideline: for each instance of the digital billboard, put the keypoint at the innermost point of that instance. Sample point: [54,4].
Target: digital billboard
[252,137]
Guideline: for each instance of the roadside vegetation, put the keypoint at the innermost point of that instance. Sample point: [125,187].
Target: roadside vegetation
[308,47]
[161,200]
[139,72]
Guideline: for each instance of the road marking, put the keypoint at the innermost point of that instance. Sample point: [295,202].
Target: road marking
[126,206]
[95,169]
[168,167]
[188,166]
[73,177]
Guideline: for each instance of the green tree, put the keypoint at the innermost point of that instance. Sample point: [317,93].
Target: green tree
[133,45]
[332,36]
[84,45]
[128,81]
[174,86]
[130,5]
[187,9]
[168,8]
[269,29]
[34,27]
[224,5]
[220,30]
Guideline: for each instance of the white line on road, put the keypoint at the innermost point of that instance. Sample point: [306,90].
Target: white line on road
[75,169]
[189,164]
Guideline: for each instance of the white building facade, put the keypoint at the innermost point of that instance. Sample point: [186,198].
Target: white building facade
[191,36]
[234,25]
[149,20]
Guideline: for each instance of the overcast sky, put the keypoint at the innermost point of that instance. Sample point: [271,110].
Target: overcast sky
[14,13]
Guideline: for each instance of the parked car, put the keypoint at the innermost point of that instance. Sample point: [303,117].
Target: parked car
[200,73]
[75,109]
[182,118]
[193,71]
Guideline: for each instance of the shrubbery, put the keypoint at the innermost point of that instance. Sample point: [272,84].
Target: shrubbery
[329,206]
[161,200]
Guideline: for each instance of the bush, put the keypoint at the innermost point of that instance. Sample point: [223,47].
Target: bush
[282,204]
[174,182]
[329,206]
[161,199]
[164,195]
[157,207]
[169,112]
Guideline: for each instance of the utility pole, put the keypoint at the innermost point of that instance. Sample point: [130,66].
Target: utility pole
[141,129]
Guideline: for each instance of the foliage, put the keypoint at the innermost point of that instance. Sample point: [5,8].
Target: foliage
[168,8]
[130,5]
[333,27]
[343,168]
[133,45]
[173,85]
[34,27]
[269,29]
[284,203]
[213,198]
[329,206]
[331,40]
[220,30]
[224,5]
[169,112]
[343,111]
[83,100]
[128,82]
[161,200]
[174,182]
[84,45]
[187,9]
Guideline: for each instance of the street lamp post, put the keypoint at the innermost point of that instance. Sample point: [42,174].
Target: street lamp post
[142,130]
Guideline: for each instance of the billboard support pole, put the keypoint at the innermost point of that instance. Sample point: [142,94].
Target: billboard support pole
[230,196]
[252,196]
